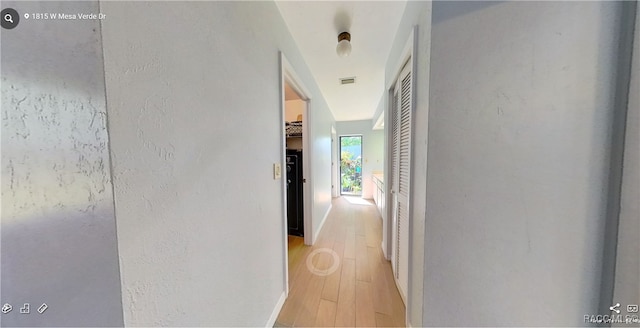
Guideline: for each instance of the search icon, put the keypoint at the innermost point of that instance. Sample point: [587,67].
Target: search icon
[10,18]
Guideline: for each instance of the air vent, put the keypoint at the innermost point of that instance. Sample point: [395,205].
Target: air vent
[348,80]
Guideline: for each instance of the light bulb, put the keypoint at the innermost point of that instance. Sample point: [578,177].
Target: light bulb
[344,48]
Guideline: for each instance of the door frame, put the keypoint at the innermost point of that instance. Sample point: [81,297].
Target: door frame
[335,192]
[408,54]
[289,76]
[340,166]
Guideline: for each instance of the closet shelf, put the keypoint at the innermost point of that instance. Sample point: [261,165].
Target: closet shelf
[293,129]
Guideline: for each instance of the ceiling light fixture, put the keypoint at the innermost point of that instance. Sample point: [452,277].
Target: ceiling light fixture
[344,44]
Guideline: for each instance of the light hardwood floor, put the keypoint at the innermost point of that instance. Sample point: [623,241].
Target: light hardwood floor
[361,292]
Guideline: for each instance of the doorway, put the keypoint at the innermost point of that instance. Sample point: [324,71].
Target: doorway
[403,244]
[401,110]
[351,165]
[335,189]
[294,169]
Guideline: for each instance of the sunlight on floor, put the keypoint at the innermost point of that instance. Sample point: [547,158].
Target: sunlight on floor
[357,201]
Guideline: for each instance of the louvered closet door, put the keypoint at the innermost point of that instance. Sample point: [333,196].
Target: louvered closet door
[401,159]
[393,182]
[404,178]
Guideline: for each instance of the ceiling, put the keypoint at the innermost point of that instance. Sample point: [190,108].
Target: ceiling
[315,26]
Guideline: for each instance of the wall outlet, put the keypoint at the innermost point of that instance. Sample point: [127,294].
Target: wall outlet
[277,171]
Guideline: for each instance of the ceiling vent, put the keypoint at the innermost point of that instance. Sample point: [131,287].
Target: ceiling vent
[348,80]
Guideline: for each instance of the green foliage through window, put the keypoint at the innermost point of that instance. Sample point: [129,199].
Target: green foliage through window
[351,165]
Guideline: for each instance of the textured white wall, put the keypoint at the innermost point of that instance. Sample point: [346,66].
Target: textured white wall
[521,105]
[194,103]
[372,150]
[58,227]
[627,283]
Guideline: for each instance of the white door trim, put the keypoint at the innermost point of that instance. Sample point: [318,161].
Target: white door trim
[339,168]
[409,53]
[288,75]
[335,165]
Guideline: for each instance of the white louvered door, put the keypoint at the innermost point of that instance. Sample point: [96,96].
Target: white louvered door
[393,181]
[400,177]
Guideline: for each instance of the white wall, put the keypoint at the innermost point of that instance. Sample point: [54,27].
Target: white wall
[58,227]
[522,97]
[627,284]
[195,122]
[379,110]
[321,122]
[372,150]
[417,13]
[335,167]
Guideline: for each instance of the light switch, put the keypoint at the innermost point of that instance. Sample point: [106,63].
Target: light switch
[277,171]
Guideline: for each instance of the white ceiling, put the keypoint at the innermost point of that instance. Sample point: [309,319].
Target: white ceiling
[315,26]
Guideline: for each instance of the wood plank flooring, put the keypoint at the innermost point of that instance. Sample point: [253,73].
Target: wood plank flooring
[360,292]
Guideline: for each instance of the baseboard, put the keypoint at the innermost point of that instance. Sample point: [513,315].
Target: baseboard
[276,311]
[324,219]
[384,251]
[402,296]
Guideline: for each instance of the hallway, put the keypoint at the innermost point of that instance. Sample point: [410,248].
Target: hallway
[144,164]
[360,292]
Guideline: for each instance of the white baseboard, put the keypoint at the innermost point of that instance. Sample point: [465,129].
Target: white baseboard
[384,251]
[276,311]
[324,219]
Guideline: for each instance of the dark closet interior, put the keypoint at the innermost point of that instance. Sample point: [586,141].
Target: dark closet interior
[295,208]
